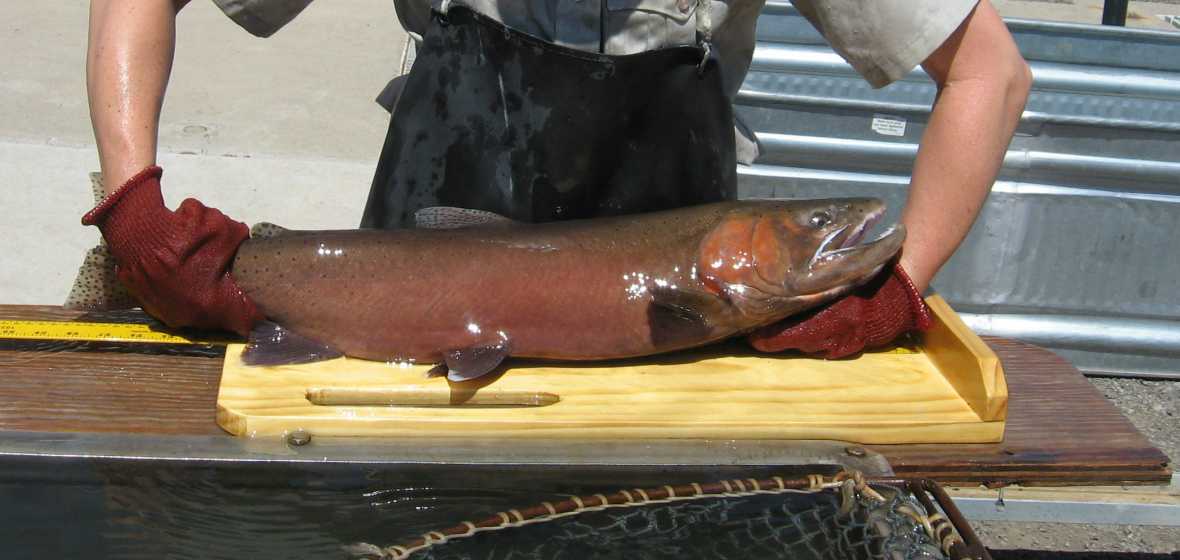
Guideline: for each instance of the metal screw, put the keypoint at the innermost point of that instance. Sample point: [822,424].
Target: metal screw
[855,451]
[298,438]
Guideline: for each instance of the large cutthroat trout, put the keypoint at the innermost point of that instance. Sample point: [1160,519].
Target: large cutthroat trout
[605,288]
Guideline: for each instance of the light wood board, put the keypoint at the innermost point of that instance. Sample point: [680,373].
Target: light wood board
[949,390]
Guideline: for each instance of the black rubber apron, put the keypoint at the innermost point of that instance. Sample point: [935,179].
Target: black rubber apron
[497,120]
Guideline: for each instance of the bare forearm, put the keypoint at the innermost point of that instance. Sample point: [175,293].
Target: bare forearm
[961,153]
[128,61]
[984,86]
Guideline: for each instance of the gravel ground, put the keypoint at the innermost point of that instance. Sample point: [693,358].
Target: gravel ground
[1048,539]
[1154,408]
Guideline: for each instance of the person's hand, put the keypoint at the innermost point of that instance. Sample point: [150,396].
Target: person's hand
[176,264]
[872,316]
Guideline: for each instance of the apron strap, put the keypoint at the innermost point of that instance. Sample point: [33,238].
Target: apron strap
[704,20]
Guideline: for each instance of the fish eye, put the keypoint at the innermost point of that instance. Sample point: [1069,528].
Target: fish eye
[820,219]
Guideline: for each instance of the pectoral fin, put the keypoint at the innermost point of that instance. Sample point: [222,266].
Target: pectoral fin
[475,361]
[679,317]
[689,305]
[272,345]
[450,217]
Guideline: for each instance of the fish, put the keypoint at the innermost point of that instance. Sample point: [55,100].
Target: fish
[467,289]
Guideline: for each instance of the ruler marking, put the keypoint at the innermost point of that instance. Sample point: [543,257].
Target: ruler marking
[95,332]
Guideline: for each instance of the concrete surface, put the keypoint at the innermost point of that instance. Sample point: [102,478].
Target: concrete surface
[281,129]
[285,130]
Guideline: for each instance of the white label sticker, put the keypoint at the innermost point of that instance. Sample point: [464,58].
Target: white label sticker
[889,125]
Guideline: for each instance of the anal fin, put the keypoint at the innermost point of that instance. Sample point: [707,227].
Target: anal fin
[272,345]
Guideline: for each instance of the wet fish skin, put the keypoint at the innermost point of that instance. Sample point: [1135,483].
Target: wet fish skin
[579,290]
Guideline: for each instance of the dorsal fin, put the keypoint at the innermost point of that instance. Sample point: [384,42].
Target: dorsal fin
[451,217]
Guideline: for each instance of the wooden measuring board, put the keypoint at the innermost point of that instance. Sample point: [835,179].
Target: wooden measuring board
[1058,428]
[949,389]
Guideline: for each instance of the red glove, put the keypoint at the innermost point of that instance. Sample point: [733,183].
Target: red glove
[175,263]
[872,316]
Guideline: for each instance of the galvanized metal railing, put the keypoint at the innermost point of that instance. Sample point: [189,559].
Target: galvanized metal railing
[1076,248]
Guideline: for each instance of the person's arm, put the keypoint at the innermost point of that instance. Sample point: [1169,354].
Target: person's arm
[176,264]
[983,83]
[128,61]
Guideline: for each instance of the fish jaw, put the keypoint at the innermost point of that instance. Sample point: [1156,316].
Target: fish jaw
[814,262]
[851,263]
[774,259]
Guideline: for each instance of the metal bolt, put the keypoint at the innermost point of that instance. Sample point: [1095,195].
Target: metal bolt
[298,438]
[855,451]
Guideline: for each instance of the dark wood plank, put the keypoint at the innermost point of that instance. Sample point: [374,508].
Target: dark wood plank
[56,390]
[1060,430]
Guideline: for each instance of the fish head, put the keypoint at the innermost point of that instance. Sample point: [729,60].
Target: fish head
[774,258]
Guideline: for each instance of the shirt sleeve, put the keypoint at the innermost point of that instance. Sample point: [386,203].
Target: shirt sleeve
[885,39]
[262,17]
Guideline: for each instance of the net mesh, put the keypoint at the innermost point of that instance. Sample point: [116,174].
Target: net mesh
[817,520]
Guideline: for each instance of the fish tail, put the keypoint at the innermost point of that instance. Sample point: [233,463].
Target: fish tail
[96,286]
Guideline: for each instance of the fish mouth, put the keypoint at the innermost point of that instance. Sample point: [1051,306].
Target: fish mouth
[842,258]
[847,236]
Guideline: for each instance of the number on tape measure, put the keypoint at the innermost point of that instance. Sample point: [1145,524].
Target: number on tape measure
[94,332]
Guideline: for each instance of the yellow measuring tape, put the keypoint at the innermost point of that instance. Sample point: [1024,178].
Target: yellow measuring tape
[95,332]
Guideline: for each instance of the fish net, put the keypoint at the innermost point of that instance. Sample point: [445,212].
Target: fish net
[813,517]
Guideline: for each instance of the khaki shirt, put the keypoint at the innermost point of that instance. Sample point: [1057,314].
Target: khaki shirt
[882,39]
